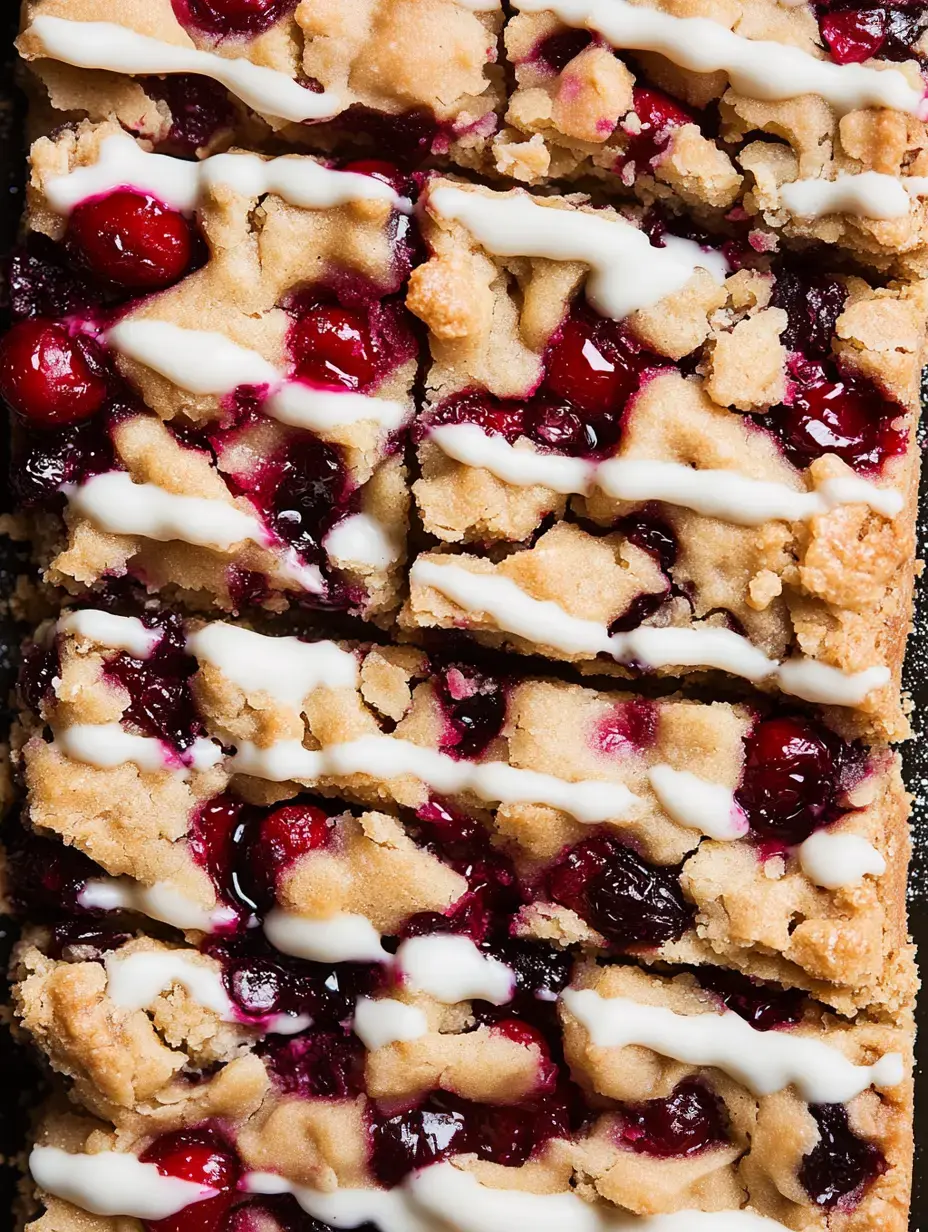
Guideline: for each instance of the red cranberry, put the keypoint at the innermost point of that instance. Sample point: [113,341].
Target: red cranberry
[215,834]
[201,1157]
[846,416]
[633,904]
[227,17]
[659,115]
[853,35]
[795,773]
[45,375]
[838,1169]
[493,415]
[474,706]
[691,1119]
[132,240]
[332,346]
[281,838]
[586,366]
[628,728]
[161,701]
[200,109]
[380,169]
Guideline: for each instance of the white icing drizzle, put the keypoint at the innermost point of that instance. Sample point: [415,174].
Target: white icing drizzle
[626,271]
[115,632]
[479,6]
[452,969]
[340,938]
[285,667]
[763,1061]
[723,494]
[206,362]
[546,623]
[833,860]
[112,1183]
[691,801]
[114,503]
[360,539]
[758,68]
[106,745]
[443,1198]
[867,195]
[161,901]
[106,45]
[378,1023]
[387,757]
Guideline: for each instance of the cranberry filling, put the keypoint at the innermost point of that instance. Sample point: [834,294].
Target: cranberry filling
[49,377]
[74,941]
[408,138]
[44,877]
[230,17]
[319,1065]
[767,1007]
[130,239]
[646,529]
[202,1157]
[690,1120]
[42,282]
[658,117]
[200,109]
[44,461]
[474,707]
[628,728]
[279,840]
[38,669]
[840,1166]
[380,169]
[445,1125]
[557,50]
[812,303]
[853,33]
[161,702]
[352,345]
[796,774]
[633,904]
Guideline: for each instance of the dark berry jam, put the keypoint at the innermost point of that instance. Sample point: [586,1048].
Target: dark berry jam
[205,1159]
[690,1120]
[796,777]
[658,117]
[44,877]
[853,33]
[557,50]
[42,282]
[77,941]
[541,971]
[632,903]
[132,240]
[407,138]
[350,342]
[277,841]
[48,376]
[42,462]
[318,1065]
[474,708]
[161,702]
[200,109]
[647,530]
[812,303]
[767,1007]
[628,728]
[39,667]
[224,18]
[841,1165]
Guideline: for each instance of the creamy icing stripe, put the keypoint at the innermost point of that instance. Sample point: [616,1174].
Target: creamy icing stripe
[762,1061]
[107,745]
[161,901]
[340,938]
[757,68]
[867,195]
[547,624]
[833,860]
[627,272]
[122,163]
[207,362]
[134,981]
[378,1023]
[116,49]
[113,1183]
[724,494]
[115,632]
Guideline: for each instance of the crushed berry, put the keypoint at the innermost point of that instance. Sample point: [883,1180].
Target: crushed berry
[557,50]
[632,903]
[542,972]
[225,18]
[841,1165]
[44,877]
[658,116]
[812,303]
[796,776]
[853,33]
[200,109]
[161,702]
[646,529]
[407,138]
[202,1157]
[131,239]
[42,282]
[319,1065]
[50,378]
[474,708]
[42,462]
[628,728]
[690,1120]
[767,1007]
[39,667]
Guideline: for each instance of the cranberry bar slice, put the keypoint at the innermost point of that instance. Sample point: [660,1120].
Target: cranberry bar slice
[210,375]
[667,830]
[192,76]
[618,1095]
[644,453]
[805,122]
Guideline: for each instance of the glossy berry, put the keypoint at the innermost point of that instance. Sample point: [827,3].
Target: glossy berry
[647,530]
[318,1065]
[380,169]
[767,1007]
[596,368]
[231,17]
[332,346]
[474,708]
[632,903]
[691,1119]
[278,840]
[853,35]
[795,773]
[161,701]
[45,375]
[841,1165]
[201,1157]
[132,240]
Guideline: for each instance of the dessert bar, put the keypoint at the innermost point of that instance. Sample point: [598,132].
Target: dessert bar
[708,461]
[419,1094]
[193,76]
[211,377]
[804,121]
[669,829]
